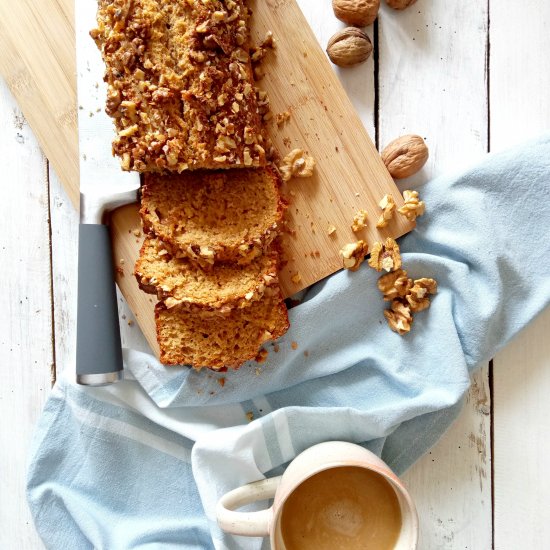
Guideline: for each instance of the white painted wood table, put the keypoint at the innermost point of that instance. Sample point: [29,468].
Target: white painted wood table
[470,76]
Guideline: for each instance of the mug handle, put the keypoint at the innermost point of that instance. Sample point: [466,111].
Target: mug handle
[249,524]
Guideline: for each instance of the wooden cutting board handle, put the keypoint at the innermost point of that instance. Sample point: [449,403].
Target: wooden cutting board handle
[38,62]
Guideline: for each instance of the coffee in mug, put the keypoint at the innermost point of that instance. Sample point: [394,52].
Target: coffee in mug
[344,508]
[334,495]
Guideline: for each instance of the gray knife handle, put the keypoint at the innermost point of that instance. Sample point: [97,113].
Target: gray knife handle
[98,348]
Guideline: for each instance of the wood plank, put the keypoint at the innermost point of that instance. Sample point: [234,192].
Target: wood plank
[26,351]
[519,84]
[432,83]
[38,62]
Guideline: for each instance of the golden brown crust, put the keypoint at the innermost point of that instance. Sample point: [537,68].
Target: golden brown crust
[179,282]
[214,216]
[180,84]
[205,340]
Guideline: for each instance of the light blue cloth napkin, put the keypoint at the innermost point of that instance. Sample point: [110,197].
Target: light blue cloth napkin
[141,464]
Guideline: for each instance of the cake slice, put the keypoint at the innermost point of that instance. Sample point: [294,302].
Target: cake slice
[180,86]
[224,287]
[214,216]
[203,339]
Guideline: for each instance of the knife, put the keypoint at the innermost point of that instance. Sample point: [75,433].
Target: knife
[103,187]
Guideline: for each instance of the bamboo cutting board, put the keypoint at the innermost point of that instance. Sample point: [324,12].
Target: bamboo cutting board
[38,63]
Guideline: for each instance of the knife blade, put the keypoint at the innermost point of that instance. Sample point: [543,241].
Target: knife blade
[103,187]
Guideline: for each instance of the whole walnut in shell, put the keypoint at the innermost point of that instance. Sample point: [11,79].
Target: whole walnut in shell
[400,4]
[349,47]
[360,13]
[405,156]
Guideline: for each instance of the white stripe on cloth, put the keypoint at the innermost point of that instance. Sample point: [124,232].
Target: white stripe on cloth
[118,427]
[280,421]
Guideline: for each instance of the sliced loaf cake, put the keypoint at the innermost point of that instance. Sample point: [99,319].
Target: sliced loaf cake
[214,216]
[224,287]
[203,339]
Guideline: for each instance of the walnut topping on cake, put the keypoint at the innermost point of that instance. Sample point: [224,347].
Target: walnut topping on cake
[179,84]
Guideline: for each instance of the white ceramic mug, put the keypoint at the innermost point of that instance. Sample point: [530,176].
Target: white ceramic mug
[316,459]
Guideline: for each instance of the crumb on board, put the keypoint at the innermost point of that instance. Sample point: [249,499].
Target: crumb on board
[119,270]
[294,345]
[331,229]
[257,371]
[221,382]
[250,416]
[121,261]
[296,278]
[281,118]
[130,322]
[276,348]
[137,232]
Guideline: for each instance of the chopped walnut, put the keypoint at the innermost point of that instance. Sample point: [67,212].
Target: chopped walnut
[418,295]
[387,204]
[394,285]
[297,164]
[281,118]
[359,221]
[399,317]
[385,256]
[353,254]
[413,206]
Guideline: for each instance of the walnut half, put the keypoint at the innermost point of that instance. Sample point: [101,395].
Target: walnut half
[394,285]
[385,256]
[418,295]
[399,316]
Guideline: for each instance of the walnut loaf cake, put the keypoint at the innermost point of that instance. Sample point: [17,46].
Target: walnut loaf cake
[181,282]
[180,84]
[214,216]
[215,342]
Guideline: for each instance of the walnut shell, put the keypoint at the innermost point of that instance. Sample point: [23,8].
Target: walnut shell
[349,47]
[400,4]
[360,13]
[405,156]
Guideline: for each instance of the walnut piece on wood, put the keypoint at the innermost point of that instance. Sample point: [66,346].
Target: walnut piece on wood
[297,164]
[359,13]
[359,221]
[387,204]
[385,256]
[353,254]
